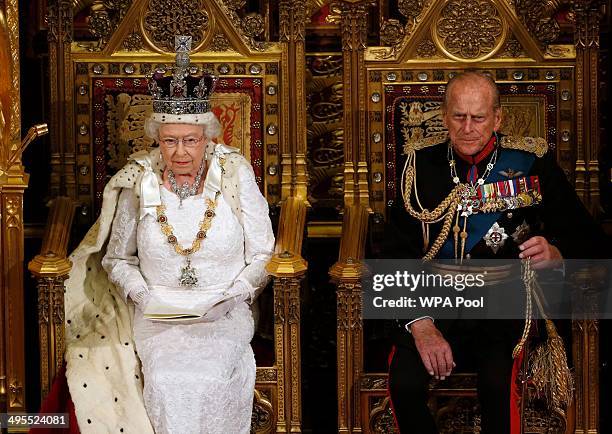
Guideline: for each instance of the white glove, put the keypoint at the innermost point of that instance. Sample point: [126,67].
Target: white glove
[223,308]
[140,297]
[243,293]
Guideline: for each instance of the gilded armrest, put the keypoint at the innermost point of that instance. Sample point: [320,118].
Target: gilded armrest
[51,268]
[52,262]
[287,261]
[288,268]
[352,244]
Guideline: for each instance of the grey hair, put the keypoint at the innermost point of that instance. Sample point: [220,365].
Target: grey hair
[208,121]
[473,75]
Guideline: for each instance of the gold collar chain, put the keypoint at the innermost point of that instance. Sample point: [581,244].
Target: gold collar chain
[188,275]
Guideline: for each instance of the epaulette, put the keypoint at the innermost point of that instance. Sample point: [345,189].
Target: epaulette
[415,145]
[535,145]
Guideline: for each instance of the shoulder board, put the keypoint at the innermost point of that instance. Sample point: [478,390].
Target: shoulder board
[415,145]
[535,145]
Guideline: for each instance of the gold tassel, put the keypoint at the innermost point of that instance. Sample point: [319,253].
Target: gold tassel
[547,366]
[549,372]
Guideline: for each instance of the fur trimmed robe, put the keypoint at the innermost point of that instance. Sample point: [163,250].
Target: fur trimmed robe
[103,370]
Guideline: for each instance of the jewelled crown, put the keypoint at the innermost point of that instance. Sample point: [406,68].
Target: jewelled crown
[187,90]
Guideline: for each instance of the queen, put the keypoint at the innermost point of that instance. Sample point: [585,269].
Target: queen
[184,220]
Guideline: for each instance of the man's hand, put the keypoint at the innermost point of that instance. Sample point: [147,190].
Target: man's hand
[435,352]
[542,253]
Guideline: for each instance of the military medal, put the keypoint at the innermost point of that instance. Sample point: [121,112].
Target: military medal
[510,173]
[505,195]
[496,237]
[469,202]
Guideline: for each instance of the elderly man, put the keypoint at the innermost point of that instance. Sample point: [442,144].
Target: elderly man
[543,229]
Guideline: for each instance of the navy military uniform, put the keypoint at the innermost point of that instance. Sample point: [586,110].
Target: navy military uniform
[483,345]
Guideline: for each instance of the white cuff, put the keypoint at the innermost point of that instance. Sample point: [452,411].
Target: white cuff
[243,287]
[138,295]
[408,324]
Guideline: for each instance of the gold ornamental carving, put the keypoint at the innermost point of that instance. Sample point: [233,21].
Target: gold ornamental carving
[554,420]
[426,49]
[235,4]
[283,22]
[266,374]
[538,17]
[43,301]
[375,382]
[292,21]
[59,17]
[5,86]
[354,25]
[134,41]
[251,26]
[513,48]
[220,43]
[262,417]
[12,23]
[16,394]
[469,30]
[392,33]
[164,19]
[382,421]
[105,18]
[125,125]
[13,210]
[325,134]
[411,9]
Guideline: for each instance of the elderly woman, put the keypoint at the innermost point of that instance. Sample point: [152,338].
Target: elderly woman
[189,217]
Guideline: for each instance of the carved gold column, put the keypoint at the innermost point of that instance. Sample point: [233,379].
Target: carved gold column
[346,273]
[588,15]
[585,350]
[294,181]
[63,155]
[288,269]
[13,182]
[51,268]
[354,37]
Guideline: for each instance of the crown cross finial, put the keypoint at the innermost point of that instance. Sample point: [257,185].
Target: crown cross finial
[182,44]
[178,86]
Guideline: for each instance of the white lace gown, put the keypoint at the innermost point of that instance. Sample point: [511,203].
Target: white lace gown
[198,378]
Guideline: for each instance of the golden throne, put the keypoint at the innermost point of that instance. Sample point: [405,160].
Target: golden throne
[543,81]
[99,103]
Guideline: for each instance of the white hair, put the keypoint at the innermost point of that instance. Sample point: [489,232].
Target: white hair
[208,121]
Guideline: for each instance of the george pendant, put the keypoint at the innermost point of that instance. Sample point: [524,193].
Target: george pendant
[188,275]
